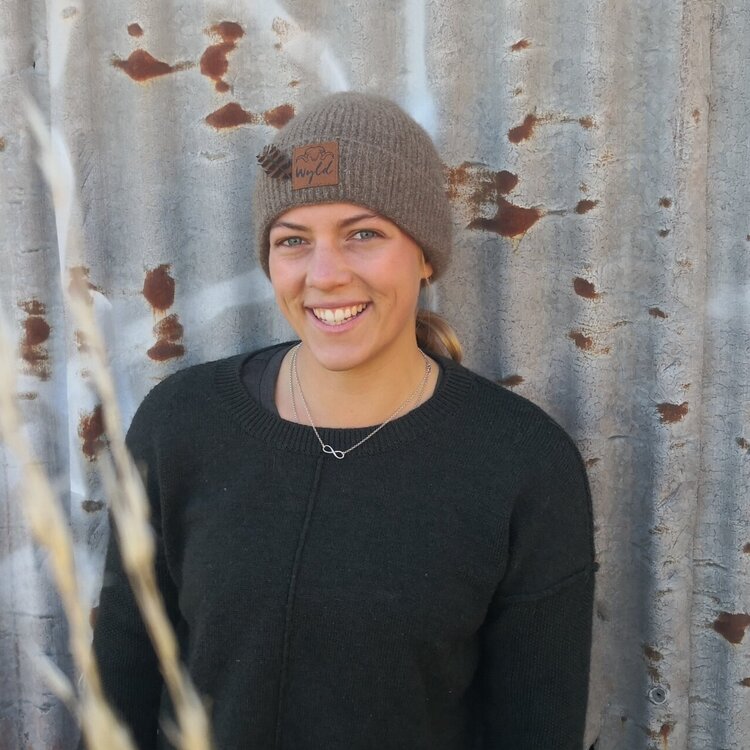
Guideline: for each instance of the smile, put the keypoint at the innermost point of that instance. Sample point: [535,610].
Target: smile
[336,316]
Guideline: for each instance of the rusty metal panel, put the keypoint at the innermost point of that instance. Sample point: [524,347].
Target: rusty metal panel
[596,156]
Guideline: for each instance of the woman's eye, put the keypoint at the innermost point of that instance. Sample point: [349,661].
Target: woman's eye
[365,234]
[290,242]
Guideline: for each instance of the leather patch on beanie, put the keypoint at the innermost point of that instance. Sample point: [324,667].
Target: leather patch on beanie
[315,164]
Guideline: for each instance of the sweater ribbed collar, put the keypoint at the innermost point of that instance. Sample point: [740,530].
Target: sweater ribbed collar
[417,424]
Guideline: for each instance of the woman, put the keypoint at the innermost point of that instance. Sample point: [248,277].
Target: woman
[362,543]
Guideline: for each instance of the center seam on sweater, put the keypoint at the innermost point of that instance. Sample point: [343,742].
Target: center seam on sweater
[290,600]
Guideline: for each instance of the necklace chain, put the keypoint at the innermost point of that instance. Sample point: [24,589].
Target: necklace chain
[294,377]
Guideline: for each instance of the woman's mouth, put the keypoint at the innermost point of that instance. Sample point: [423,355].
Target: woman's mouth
[336,316]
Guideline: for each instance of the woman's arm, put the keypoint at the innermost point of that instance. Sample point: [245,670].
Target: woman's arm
[536,640]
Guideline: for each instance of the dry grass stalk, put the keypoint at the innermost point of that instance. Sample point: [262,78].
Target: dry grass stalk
[50,529]
[128,502]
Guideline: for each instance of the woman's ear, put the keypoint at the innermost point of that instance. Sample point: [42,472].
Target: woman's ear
[426,269]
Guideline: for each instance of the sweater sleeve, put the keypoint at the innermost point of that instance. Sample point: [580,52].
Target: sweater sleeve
[127,662]
[536,639]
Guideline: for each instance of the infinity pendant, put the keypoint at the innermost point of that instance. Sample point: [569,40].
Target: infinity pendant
[333,452]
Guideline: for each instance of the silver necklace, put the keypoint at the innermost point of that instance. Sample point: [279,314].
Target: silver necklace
[294,377]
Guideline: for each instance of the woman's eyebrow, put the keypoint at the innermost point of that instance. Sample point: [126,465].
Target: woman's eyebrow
[342,223]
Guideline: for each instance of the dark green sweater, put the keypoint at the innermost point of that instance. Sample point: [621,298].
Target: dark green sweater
[431,591]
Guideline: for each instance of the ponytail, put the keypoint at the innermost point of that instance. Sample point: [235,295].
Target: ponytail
[435,334]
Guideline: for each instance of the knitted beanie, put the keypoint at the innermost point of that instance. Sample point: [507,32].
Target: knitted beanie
[361,149]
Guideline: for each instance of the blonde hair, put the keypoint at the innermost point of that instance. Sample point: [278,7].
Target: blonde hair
[435,334]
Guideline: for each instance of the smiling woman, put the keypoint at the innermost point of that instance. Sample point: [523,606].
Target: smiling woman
[361,543]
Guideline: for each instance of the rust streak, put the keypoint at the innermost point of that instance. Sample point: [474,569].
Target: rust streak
[524,131]
[655,312]
[91,432]
[585,288]
[511,381]
[581,341]
[158,287]
[520,44]
[134,29]
[231,116]
[732,625]
[670,413]
[141,66]
[279,116]
[585,205]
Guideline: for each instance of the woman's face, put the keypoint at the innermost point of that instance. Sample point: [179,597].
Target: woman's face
[347,280]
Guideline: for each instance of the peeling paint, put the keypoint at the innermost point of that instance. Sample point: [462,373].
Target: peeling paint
[91,432]
[585,288]
[670,413]
[158,287]
[732,625]
[141,66]
[656,312]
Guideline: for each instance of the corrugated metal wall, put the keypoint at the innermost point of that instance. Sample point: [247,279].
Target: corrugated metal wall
[597,158]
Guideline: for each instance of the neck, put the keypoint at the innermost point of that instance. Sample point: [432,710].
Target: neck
[361,397]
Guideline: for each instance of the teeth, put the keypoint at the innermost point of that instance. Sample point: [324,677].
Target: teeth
[338,315]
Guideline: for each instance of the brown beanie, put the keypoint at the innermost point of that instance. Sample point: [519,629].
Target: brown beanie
[361,149]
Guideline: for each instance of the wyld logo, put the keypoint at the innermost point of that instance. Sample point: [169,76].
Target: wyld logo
[315,164]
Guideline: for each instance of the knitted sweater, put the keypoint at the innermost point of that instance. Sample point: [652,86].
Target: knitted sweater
[433,590]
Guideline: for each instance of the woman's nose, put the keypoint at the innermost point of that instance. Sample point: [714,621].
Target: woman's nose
[327,266]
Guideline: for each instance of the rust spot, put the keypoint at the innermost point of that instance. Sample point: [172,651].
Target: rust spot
[665,202]
[293,84]
[732,625]
[672,412]
[585,288]
[696,115]
[91,432]
[93,614]
[518,90]
[520,44]
[36,330]
[509,221]
[586,122]
[746,548]
[592,462]
[33,307]
[456,178]
[663,232]
[27,395]
[655,312]
[581,341]
[134,29]
[511,381]
[231,116]
[141,66]
[169,333]
[743,443]
[585,205]
[524,131]
[279,116]
[651,653]
[214,63]
[745,682]
[92,506]
[158,287]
